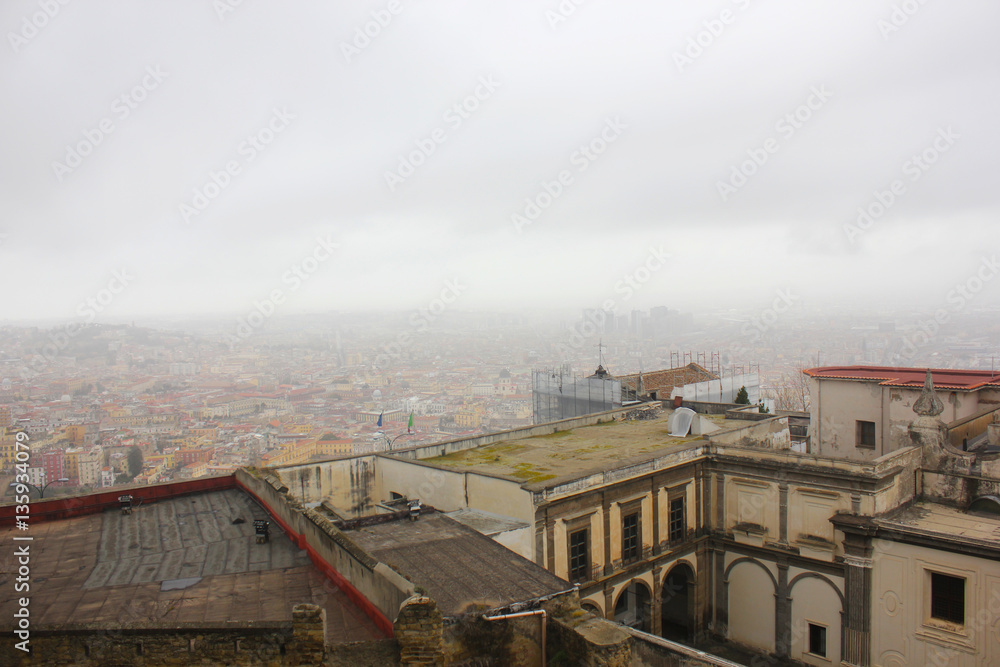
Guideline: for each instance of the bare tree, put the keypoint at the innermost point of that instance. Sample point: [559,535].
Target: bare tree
[791,392]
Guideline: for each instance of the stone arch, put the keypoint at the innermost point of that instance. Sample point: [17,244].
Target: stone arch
[593,607]
[816,575]
[748,559]
[677,603]
[813,608]
[675,565]
[633,606]
[751,604]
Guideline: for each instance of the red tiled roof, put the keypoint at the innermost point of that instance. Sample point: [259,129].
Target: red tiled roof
[666,380]
[944,378]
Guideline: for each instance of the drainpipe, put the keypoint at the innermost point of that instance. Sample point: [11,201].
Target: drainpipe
[523,614]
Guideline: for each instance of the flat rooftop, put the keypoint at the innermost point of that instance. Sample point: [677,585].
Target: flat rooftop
[461,569]
[575,453]
[487,523]
[177,561]
[941,521]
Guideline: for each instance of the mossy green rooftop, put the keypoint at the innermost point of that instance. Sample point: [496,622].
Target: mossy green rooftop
[574,453]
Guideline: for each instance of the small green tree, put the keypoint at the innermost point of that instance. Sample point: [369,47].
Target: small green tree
[743,397]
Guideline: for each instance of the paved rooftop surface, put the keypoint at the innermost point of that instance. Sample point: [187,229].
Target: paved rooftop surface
[456,565]
[925,517]
[486,523]
[570,454]
[181,560]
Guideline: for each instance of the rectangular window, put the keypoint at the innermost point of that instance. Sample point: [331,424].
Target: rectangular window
[677,523]
[578,557]
[817,640]
[630,537]
[948,598]
[866,435]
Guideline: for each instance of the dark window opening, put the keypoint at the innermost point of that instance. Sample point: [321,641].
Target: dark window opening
[866,434]
[630,537]
[578,562]
[817,640]
[677,526]
[948,598]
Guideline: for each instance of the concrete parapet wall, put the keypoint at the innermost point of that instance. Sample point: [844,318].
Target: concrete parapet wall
[372,586]
[652,651]
[66,507]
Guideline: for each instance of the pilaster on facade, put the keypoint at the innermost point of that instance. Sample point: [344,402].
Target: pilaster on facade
[857,634]
[782,613]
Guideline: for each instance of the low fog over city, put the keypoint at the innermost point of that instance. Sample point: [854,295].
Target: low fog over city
[368,332]
[193,158]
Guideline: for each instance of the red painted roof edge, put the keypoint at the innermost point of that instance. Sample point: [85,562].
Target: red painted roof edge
[890,376]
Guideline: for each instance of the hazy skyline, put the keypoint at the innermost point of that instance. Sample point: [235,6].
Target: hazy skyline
[238,148]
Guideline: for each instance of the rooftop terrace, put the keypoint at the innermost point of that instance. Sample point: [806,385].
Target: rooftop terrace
[176,561]
[570,454]
[944,523]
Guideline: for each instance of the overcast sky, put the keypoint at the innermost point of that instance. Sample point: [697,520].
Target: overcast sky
[119,121]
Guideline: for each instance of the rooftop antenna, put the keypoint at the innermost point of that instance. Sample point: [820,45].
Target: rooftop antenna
[638,390]
[600,352]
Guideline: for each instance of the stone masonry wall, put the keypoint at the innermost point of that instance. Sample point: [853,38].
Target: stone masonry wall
[297,643]
[419,632]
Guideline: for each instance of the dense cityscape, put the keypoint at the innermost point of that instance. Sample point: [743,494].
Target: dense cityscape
[111,405]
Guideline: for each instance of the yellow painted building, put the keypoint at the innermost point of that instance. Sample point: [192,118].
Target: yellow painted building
[8,448]
[468,420]
[76,433]
[335,447]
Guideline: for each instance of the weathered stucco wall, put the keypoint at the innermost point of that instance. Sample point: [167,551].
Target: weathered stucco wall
[837,406]
[350,483]
[770,433]
[903,632]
